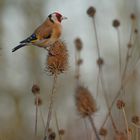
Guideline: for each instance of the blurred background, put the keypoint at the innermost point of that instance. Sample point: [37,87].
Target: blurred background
[20,70]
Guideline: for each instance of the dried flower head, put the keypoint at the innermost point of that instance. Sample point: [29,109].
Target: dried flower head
[78,44]
[49,130]
[120,104]
[91,11]
[116,23]
[100,61]
[61,132]
[103,132]
[121,136]
[35,89]
[79,62]
[57,60]
[136,120]
[136,31]
[85,103]
[52,136]
[38,101]
[133,16]
[129,45]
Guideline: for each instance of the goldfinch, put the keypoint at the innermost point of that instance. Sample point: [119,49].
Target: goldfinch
[46,34]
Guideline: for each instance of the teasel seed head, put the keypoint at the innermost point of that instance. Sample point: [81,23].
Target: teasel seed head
[91,11]
[120,104]
[79,62]
[61,132]
[129,45]
[103,132]
[52,136]
[57,60]
[136,31]
[35,89]
[38,101]
[136,120]
[133,16]
[116,23]
[121,136]
[85,103]
[78,44]
[100,61]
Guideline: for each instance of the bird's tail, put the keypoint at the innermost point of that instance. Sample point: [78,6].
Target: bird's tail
[18,47]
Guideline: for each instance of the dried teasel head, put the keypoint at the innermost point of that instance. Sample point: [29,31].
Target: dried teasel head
[61,132]
[78,44]
[85,103]
[91,11]
[120,104]
[116,23]
[52,136]
[103,132]
[57,60]
[35,89]
[38,101]
[100,61]
[136,120]
[133,16]
[136,31]
[79,62]
[121,136]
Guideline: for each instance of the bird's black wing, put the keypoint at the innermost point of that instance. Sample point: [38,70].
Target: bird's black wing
[29,39]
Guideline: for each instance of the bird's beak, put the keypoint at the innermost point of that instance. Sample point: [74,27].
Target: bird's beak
[63,18]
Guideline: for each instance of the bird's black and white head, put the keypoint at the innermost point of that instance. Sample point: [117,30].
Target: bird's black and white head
[56,17]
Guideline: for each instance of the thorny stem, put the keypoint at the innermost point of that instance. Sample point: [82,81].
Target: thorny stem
[50,107]
[119,45]
[96,37]
[42,118]
[36,114]
[94,128]
[77,69]
[57,126]
[122,80]
[106,100]
[86,128]
[126,123]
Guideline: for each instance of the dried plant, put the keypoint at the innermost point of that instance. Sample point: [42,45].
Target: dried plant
[86,106]
[57,63]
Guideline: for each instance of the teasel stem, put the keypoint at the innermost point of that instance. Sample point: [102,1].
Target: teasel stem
[93,127]
[98,51]
[36,114]
[119,47]
[96,37]
[42,118]
[50,107]
[86,128]
[126,122]
[123,77]
[107,103]
[57,125]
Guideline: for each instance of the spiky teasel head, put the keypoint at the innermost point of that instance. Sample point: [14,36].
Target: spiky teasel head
[116,23]
[78,44]
[121,136]
[136,120]
[57,60]
[35,89]
[91,11]
[120,104]
[103,132]
[85,103]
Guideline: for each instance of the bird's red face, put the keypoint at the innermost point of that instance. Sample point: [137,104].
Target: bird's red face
[59,17]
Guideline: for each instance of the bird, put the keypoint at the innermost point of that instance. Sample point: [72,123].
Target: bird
[46,34]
